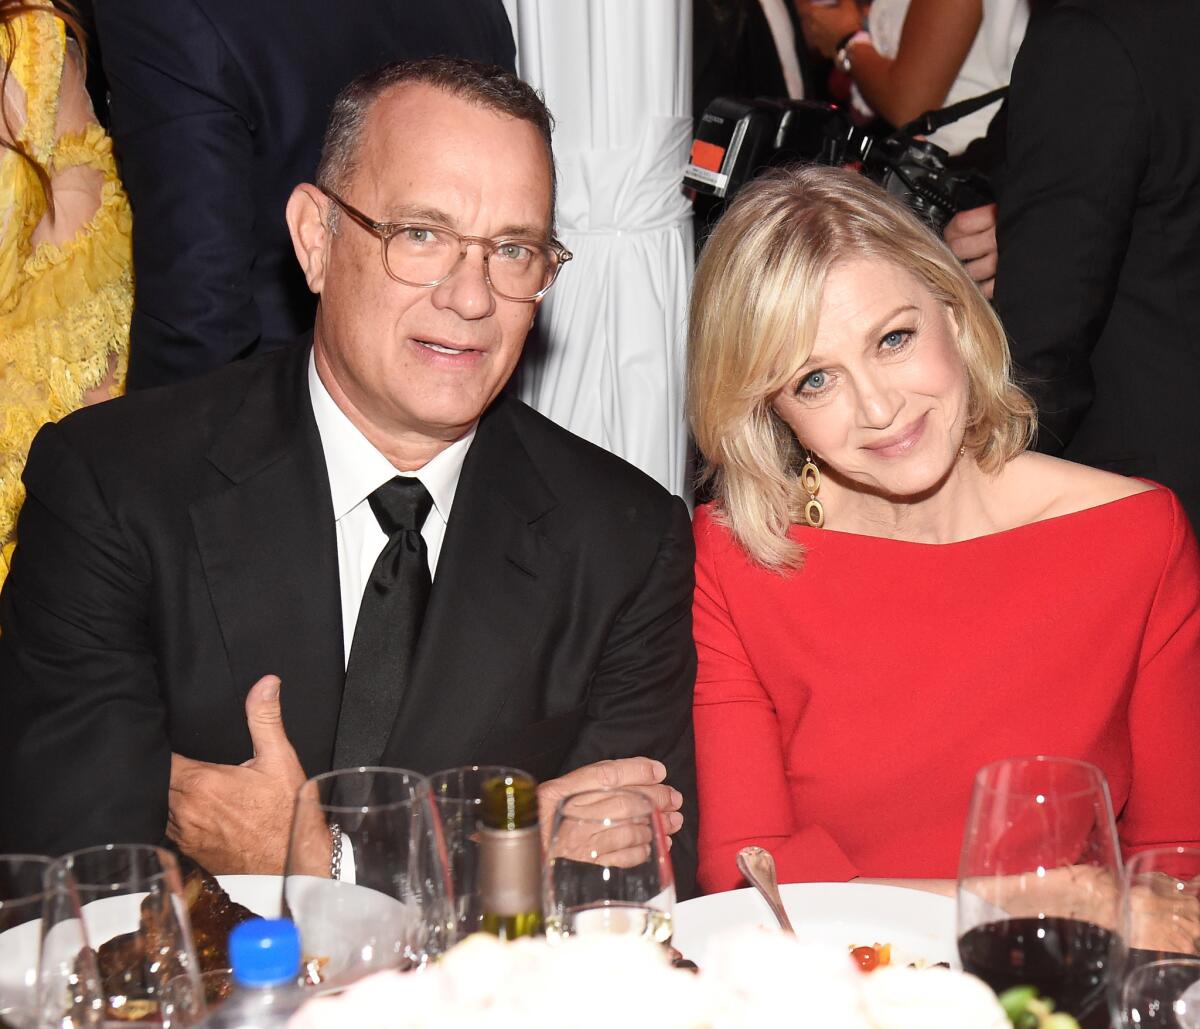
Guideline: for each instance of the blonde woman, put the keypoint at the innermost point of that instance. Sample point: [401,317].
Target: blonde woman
[66,285]
[891,591]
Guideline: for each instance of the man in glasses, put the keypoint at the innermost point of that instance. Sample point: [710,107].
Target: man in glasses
[438,575]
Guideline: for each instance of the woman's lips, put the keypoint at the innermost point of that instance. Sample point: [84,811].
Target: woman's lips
[897,446]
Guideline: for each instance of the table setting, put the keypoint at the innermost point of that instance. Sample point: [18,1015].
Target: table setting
[440,901]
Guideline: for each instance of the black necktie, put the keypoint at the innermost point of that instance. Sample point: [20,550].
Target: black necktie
[389,623]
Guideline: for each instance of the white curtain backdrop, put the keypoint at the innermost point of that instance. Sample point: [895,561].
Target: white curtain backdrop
[607,361]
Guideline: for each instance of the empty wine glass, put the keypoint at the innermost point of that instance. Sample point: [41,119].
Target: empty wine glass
[458,794]
[366,880]
[47,970]
[134,913]
[607,868]
[180,1006]
[1039,883]
[1159,980]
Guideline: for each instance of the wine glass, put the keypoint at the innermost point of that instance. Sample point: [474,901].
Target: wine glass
[607,868]
[133,911]
[1159,981]
[1039,883]
[458,794]
[47,970]
[180,1006]
[365,880]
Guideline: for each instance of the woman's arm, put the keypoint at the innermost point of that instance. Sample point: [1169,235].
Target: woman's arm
[744,792]
[934,42]
[1163,808]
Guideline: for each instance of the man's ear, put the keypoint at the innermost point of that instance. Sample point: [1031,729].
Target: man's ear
[307,215]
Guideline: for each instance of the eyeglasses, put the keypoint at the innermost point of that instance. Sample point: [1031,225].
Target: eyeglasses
[418,254]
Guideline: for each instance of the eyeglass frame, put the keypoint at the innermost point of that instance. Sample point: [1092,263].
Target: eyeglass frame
[386,231]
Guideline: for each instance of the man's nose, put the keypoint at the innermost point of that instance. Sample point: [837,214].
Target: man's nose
[465,290]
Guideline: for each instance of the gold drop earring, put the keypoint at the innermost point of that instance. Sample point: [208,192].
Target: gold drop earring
[810,482]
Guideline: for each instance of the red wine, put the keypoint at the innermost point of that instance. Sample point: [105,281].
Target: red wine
[1066,959]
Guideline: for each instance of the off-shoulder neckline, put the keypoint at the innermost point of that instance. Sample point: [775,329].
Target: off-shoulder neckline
[1052,522]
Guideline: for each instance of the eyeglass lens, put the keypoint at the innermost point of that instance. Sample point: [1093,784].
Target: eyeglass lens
[424,255]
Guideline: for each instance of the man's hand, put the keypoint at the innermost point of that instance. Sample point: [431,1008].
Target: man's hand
[971,236]
[639,773]
[237,818]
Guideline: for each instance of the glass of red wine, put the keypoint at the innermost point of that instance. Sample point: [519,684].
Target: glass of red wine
[1158,986]
[1039,883]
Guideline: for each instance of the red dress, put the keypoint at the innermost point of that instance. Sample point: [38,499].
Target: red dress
[842,710]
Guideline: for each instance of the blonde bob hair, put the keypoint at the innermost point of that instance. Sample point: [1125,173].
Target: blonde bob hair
[753,319]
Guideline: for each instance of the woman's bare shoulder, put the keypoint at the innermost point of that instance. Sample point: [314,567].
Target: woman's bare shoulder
[1050,487]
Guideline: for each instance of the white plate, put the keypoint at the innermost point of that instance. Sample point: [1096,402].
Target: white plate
[262,894]
[918,925]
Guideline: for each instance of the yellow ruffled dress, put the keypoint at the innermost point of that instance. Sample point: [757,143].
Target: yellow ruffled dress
[64,307]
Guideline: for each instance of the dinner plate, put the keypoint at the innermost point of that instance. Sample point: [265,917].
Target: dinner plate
[918,925]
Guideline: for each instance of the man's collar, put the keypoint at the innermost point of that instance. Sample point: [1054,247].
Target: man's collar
[357,469]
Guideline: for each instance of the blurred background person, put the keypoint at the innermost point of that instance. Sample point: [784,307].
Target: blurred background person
[920,55]
[1098,275]
[218,108]
[850,390]
[66,287]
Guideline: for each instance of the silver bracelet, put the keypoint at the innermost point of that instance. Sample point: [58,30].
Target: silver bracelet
[335,854]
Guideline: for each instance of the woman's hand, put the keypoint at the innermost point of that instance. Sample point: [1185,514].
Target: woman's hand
[825,25]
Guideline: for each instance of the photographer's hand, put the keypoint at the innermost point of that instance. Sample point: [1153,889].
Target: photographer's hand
[971,236]
[824,24]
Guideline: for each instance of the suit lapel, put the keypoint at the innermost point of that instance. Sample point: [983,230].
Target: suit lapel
[495,575]
[267,542]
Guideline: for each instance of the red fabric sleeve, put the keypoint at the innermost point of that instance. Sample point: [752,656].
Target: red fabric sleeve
[1164,712]
[741,780]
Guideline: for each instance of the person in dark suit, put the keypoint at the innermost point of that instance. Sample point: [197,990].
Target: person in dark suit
[218,108]
[1098,276]
[182,543]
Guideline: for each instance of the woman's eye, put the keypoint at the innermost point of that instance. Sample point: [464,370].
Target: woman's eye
[896,339]
[814,382]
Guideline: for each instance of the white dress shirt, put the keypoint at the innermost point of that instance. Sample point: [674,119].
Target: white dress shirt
[356,470]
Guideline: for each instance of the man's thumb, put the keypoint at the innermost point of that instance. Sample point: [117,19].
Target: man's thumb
[264,718]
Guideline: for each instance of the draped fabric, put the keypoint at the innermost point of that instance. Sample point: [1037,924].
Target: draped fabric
[607,360]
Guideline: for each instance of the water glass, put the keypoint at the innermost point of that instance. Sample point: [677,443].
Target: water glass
[607,868]
[134,913]
[366,880]
[48,972]
[1159,980]
[458,796]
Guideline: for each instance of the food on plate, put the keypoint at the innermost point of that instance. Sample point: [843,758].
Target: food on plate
[130,981]
[213,914]
[877,955]
[1027,1010]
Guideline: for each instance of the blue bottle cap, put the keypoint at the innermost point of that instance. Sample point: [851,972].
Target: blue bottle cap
[265,952]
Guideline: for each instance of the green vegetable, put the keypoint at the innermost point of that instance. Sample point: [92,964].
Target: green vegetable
[1027,1011]
[1016,1000]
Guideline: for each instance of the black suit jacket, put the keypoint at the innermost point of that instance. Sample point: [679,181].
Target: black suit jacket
[178,544]
[1098,281]
[218,111]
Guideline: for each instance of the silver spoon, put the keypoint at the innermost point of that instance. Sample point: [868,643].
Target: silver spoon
[758,866]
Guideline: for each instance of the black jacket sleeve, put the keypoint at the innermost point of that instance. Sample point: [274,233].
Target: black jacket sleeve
[185,145]
[641,696]
[84,753]
[1077,140]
